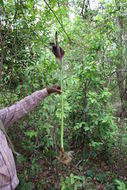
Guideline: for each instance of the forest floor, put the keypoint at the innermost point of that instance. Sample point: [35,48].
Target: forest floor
[99,173]
[94,171]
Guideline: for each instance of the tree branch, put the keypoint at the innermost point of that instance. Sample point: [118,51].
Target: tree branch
[117,84]
[83,6]
[58,20]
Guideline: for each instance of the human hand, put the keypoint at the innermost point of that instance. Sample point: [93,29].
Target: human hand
[53,89]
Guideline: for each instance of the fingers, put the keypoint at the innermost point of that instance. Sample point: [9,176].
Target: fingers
[58,89]
[54,88]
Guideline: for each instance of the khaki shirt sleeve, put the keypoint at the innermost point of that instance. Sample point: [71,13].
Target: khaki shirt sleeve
[11,114]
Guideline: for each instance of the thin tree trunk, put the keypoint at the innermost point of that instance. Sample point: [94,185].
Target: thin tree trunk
[2,43]
[124,101]
[83,6]
[119,70]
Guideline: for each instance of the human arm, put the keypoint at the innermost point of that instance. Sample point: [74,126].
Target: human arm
[11,114]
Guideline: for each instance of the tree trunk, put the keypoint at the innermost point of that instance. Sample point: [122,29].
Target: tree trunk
[119,71]
[124,101]
[2,43]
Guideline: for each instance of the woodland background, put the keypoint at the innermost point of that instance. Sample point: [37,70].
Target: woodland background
[95,91]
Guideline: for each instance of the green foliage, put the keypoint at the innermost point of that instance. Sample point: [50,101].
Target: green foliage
[91,173]
[101,177]
[2,3]
[98,176]
[25,185]
[72,183]
[90,81]
[120,185]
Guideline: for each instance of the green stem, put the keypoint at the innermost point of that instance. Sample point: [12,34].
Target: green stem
[62,108]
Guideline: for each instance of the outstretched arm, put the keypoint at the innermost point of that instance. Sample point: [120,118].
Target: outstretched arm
[11,114]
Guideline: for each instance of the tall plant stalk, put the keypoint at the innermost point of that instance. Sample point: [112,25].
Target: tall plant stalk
[59,54]
[62,108]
